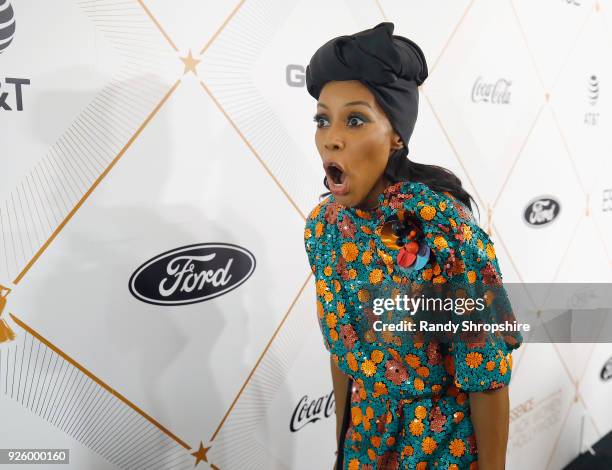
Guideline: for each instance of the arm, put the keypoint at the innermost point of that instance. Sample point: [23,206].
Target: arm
[340,380]
[490,416]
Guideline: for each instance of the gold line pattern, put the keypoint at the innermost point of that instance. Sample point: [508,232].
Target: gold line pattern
[263,353]
[252,149]
[222,27]
[94,185]
[98,381]
[157,23]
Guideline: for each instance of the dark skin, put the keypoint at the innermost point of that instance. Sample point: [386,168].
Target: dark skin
[361,138]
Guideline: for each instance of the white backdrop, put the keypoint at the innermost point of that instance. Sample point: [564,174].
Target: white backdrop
[134,128]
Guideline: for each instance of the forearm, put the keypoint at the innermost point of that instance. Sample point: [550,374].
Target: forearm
[490,416]
[340,381]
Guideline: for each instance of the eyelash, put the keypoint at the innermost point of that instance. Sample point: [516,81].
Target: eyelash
[317,117]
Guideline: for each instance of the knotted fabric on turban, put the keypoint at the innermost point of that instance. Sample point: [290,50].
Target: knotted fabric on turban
[392,67]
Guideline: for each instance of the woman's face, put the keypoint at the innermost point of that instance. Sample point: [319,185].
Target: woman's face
[354,138]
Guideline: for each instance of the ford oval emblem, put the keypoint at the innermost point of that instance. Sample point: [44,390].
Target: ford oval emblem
[541,211]
[192,274]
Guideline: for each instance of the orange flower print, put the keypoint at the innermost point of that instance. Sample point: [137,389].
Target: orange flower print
[503,367]
[420,412]
[331,320]
[427,212]
[440,242]
[429,445]
[457,447]
[490,251]
[419,385]
[351,361]
[376,276]
[473,359]
[349,251]
[318,230]
[408,451]
[379,389]
[416,427]
[356,416]
[377,356]
[368,367]
[321,287]
[363,295]
[413,360]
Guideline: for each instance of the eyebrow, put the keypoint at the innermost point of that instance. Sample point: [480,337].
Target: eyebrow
[365,103]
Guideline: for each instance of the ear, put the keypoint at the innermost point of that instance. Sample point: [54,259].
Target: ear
[396,142]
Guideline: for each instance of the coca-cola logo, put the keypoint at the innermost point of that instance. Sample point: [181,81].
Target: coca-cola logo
[606,371]
[541,211]
[192,273]
[497,92]
[520,410]
[310,411]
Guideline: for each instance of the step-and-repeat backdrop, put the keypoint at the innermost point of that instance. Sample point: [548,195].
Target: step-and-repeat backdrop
[157,162]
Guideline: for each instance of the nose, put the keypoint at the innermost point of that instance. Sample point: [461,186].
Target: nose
[334,142]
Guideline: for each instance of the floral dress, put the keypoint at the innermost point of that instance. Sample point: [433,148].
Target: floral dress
[409,406]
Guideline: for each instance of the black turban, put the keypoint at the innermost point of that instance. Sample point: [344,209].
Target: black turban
[392,67]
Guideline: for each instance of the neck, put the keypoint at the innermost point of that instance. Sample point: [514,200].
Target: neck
[371,200]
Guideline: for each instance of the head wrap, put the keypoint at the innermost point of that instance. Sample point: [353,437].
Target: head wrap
[392,67]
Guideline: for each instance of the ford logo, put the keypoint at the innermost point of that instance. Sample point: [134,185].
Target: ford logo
[192,274]
[541,211]
[606,372]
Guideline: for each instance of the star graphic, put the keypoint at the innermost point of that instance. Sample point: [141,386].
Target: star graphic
[200,454]
[190,63]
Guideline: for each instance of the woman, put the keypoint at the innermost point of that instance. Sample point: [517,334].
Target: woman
[403,400]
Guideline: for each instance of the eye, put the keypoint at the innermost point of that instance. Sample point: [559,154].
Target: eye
[351,119]
[317,118]
[356,116]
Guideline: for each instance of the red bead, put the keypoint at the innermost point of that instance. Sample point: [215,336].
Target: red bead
[412,247]
[405,258]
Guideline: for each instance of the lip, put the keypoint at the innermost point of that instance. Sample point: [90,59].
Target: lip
[337,189]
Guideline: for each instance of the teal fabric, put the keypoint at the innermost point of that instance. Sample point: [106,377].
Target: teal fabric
[409,406]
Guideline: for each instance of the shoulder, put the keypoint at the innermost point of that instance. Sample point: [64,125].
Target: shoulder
[431,207]
[318,210]
[461,246]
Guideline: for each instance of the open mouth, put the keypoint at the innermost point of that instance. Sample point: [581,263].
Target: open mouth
[336,178]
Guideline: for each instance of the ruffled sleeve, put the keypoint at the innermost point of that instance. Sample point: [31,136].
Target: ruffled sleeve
[463,259]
